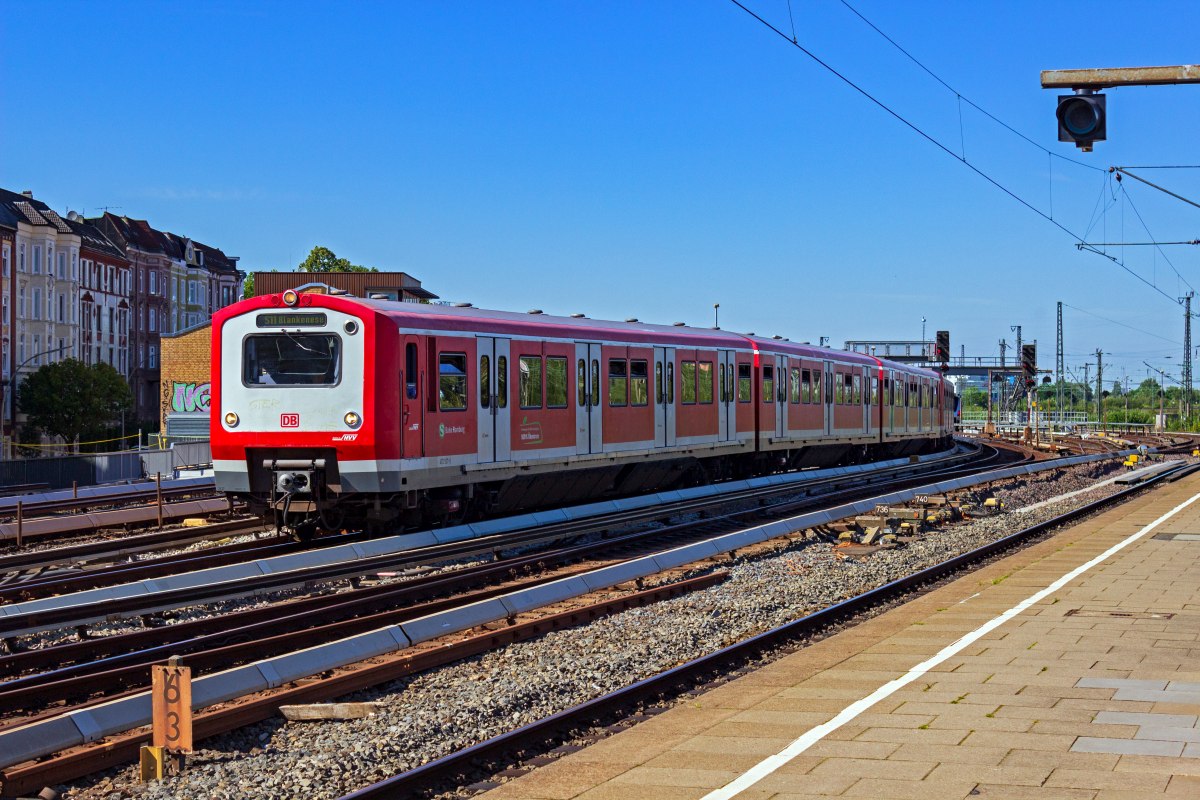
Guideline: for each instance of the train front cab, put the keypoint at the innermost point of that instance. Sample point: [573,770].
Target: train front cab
[294,427]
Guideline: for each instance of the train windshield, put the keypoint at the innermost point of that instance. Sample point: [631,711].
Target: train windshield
[292,359]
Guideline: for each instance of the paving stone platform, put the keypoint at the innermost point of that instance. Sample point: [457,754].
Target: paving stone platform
[1092,692]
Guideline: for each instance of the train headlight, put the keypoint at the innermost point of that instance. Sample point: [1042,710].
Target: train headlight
[352,419]
[291,297]
[231,419]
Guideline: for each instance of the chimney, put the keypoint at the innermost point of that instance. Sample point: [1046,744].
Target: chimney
[28,193]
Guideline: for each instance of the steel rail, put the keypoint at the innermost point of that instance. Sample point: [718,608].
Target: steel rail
[668,683]
[122,546]
[67,615]
[92,654]
[97,669]
[21,779]
[116,500]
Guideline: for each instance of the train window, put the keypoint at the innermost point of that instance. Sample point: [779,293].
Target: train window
[874,391]
[743,383]
[658,382]
[857,399]
[768,387]
[724,384]
[501,381]
[670,382]
[816,387]
[410,370]
[618,382]
[806,386]
[595,383]
[687,382]
[485,379]
[704,382]
[581,382]
[530,386]
[794,384]
[452,381]
[897,393]
[292,359]
[639,383]
[556,382]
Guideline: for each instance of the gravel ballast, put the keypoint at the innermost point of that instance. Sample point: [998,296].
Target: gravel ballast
[438,712]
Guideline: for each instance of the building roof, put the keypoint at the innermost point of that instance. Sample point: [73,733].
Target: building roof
[92,238]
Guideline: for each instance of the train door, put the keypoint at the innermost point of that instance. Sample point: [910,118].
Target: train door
[664,396]
[781,396]
[495,441]
[827,397]
[412,411]
[726,412]
[589,430]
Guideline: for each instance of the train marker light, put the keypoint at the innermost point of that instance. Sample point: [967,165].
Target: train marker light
[352,419]
[290,297]
[231,419]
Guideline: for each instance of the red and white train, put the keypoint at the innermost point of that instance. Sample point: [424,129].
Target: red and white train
[334,411]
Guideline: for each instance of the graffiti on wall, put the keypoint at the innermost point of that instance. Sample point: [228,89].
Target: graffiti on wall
[189,396]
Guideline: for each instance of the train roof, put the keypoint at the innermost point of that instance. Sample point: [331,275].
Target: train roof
[536,323]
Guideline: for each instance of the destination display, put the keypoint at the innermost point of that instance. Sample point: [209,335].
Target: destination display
[291,320]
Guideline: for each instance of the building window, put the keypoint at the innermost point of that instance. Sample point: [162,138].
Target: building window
[37,303]
[153,282]
[21,303]
[6,258]
[153,356]
[37,260]
[62,307]
[21,257]
[153,321]
[74,266]
[62,264]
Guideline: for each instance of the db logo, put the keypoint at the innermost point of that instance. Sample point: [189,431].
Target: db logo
[289,420]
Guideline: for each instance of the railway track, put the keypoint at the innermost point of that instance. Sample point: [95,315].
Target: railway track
[486,758]
[130,658]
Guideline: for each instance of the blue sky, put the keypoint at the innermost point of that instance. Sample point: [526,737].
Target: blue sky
[636,159]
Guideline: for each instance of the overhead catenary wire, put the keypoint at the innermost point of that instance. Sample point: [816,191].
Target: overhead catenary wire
[960,96]
[1121,324]
[1125,171]
[941,146]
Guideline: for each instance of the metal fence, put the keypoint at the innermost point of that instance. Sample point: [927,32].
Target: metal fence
[62,472]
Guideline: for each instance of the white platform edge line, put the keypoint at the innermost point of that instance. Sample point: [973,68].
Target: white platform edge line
[770,764]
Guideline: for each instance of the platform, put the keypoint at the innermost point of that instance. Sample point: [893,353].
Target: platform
[1037,676]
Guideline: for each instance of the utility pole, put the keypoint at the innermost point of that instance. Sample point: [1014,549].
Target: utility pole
[1002,394]
[1100,389]
[1187,356]
[1058,366]
[1087,367]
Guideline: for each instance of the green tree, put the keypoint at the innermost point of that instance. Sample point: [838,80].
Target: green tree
[322,259]
[248,287]
[70,398]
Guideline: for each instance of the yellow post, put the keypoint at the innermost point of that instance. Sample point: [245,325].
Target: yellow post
[152,763]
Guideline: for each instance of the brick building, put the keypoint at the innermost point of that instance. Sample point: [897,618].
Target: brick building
[186,371]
